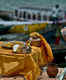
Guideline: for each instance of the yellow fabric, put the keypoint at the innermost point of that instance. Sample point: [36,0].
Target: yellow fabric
[29,76]
[37,56]
[46,51]
[11,63]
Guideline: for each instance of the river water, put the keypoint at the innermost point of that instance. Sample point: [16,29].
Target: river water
[11,4]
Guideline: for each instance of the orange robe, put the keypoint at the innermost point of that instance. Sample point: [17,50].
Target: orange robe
[46,51]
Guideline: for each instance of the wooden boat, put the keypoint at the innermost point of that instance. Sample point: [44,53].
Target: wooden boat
[4,29]
[22,27]
[31,13]
[26,27]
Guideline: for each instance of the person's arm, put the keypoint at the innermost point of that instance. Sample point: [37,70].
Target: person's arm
[47,49]
[49,52]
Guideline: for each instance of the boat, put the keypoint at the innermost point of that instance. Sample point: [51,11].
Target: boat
[4,29]
[26,13]
[22,27]
[31,13]
[27,26]
[59,52]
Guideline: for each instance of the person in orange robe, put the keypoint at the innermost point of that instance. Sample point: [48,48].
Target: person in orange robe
[38,40]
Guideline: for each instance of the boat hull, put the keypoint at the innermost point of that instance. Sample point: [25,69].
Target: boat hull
[27,28]
[4,29]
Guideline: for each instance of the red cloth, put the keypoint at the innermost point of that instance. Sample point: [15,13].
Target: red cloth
[57,40]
